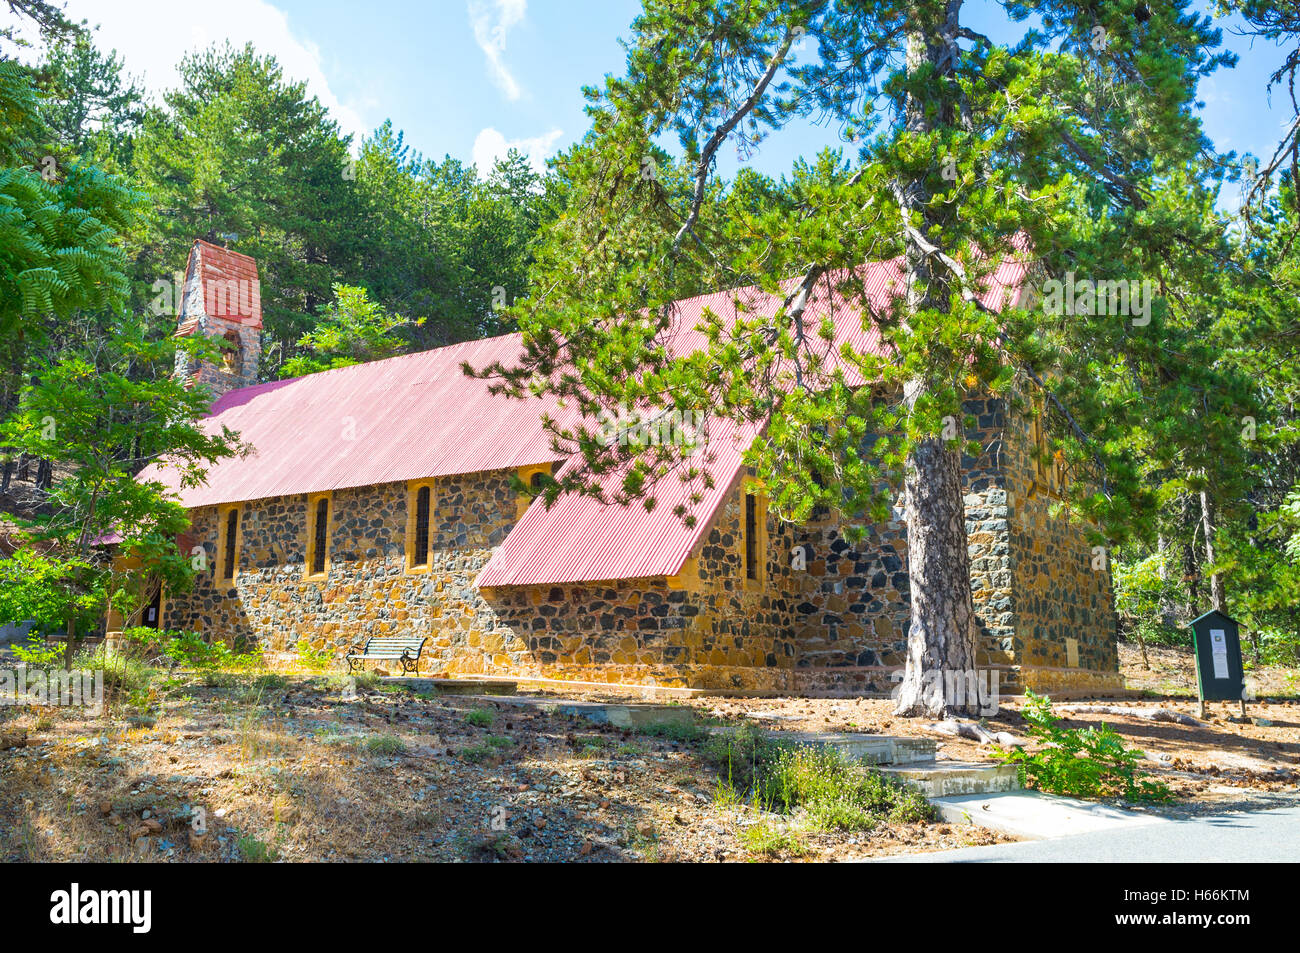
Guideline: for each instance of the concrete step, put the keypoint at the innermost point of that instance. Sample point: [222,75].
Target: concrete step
[605,713]
[874,749]
[948,778]
[1035,816]
[454,686]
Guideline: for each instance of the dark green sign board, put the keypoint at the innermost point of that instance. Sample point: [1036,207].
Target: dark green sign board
[1218,658]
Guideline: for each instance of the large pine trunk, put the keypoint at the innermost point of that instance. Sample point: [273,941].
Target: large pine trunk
[941,644]
[941,638]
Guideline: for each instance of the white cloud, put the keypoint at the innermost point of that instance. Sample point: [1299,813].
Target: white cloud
[490,145]
[490,20]
[153,35]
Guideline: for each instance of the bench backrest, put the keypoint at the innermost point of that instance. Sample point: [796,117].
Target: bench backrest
[413,643]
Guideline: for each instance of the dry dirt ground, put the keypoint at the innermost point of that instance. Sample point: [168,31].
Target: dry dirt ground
[292,768]
[300,772]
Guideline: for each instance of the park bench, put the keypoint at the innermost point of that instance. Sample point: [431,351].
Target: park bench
[405,650]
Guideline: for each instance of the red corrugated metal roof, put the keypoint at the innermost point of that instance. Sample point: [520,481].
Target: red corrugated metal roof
[579,539]
[419,416]
[404,418]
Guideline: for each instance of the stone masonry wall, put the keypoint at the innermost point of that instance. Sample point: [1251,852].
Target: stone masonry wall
[852,605]
[704,627]
[1059,596]
[840,626]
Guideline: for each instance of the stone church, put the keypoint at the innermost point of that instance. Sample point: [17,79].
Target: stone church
[382,499]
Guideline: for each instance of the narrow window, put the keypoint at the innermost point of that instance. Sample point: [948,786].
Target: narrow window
[232,536]
[421,555]
[751,537]
[322,540]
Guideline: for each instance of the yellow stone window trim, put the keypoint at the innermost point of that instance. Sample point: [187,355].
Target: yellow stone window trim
[220,574]
[414,565]
[526,475]
[313,501]
[1050,477]
[755,577]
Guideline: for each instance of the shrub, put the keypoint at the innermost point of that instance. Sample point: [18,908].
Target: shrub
[1079,762]
[255,851]
[479,717]
[316,660]
[122,673]
[836,792]
[738,755]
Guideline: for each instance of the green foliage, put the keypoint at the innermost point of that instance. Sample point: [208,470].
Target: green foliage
[352,330]
[192,650]
[766,841]
[838,792]
[686,733]
[37,652]
[1080,762]
[385,745]
[834,791]
[255,851]
[1142,597]
[480,717]
[317,660]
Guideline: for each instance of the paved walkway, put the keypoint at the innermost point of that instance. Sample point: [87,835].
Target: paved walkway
[1262,836]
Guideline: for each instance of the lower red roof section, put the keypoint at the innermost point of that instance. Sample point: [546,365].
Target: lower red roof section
[580,539]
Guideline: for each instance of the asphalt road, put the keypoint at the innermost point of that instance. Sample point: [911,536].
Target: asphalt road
[1262,836]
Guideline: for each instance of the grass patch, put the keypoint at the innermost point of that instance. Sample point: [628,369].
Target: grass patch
[686,733]
[255,851]
[765,841]
[480,717]
[833,791]
[498,741]
[387,745]
[838,792]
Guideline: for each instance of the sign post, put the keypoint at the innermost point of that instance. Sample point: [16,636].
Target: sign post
[1219,673]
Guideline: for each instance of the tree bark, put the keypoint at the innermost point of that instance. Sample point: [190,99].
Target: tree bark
[941,636]
[1217,598]
[70,647]
[941,640]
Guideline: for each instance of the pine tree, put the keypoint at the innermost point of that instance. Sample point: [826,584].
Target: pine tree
[967,149]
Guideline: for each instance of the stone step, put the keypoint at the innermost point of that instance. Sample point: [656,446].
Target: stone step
[950,778]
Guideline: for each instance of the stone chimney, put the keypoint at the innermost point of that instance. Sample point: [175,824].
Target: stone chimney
[221,300]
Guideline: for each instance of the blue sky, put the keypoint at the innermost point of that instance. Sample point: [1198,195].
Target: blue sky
[470,77]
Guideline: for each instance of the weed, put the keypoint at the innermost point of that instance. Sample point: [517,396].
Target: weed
[480,717]
[766,841]
[686,733]
[385,745]
[1080,762]
[255,851]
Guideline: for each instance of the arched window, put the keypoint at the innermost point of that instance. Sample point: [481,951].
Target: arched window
[232,354]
